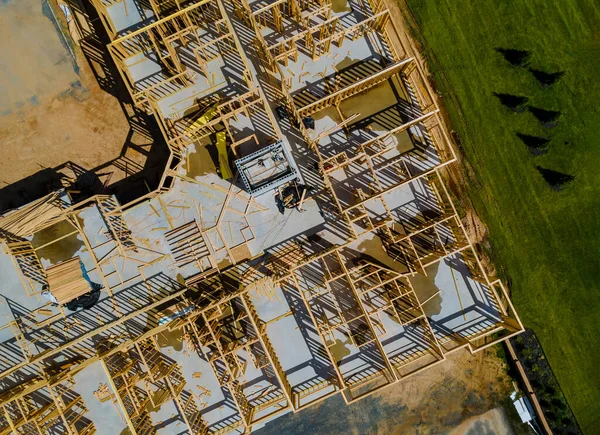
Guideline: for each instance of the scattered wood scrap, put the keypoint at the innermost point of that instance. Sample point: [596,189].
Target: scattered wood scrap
[204,391]
[103,393]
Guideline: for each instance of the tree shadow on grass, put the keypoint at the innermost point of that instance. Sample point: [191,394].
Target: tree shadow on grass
[548,118]
[517,58]
[515,103]
[537,145]
[556,180]
[546,80]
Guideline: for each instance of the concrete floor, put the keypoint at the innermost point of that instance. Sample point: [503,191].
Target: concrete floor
[128,14]
[466,306]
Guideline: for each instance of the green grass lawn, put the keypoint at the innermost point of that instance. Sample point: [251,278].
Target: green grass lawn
[547,243]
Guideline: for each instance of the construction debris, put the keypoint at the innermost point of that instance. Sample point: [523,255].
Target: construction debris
[103,393]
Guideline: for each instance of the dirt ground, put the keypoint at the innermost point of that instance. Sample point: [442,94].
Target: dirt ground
[492,422]
[453,396]
[52,108]
[458,389]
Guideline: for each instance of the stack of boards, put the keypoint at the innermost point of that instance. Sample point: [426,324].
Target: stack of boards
[66,281]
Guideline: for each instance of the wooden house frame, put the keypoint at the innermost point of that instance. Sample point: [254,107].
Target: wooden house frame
[44,404]
[132,360]
[160,8]
[161,38]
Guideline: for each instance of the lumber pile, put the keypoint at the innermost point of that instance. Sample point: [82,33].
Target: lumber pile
[29,219]
[66,281]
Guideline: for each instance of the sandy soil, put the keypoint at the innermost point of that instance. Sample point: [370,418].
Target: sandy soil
[493,422]
[443,397]
[453,395]
[52,109]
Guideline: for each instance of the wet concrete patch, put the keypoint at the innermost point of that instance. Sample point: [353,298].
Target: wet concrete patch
[404,141]
[159,397]
[225,262]
[368,103]
[340,6]
[339,349]
[328,112]
[59,251]
[200,163]
[172,339]
[374,248]
[345,63]
[425,288]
